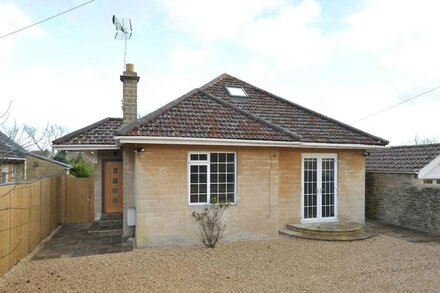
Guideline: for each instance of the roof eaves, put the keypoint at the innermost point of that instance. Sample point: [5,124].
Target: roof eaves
[61,140]
[391,172]
[289,133]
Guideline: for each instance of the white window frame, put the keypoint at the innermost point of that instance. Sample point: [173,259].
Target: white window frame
[208,179]
[232,89]
[5,169]
[319,157]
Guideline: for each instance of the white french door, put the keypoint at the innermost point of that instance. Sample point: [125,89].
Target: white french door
[319,187]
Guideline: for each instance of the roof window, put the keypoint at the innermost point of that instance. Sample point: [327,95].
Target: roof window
[236,91]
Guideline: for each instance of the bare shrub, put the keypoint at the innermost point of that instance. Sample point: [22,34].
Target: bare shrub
[211,223]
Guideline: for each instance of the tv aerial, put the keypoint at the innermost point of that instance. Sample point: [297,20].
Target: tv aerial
[123,32]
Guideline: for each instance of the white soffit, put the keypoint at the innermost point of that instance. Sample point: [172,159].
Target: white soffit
[431,171]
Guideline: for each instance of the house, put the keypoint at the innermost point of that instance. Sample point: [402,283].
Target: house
[403,186]
[12,160]
[17,164]
[228,140]
[39,166]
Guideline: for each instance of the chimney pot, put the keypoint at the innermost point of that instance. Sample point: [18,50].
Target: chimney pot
[129,67]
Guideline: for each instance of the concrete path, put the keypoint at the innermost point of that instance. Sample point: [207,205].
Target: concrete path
[73,240]
[407,234]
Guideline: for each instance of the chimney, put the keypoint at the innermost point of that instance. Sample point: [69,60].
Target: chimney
[129,80]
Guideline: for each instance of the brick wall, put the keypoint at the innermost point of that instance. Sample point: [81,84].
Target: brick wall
[402,199]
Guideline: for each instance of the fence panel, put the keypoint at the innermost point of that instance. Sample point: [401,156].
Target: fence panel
[29,212]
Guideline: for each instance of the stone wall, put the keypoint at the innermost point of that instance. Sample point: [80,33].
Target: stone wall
[164,216]
[268,192]
[37,168]
[128,187]
[351,185]
[402,199]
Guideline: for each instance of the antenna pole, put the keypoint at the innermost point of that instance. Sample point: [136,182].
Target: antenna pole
[125,53]
[123,31]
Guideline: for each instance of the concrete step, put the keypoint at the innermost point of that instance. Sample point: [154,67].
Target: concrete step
[107,232]
[111,227]
[358,236]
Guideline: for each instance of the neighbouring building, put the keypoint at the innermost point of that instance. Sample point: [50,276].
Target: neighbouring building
[19,165]
[403,186]
[39,166]
[228,140]
[12,160]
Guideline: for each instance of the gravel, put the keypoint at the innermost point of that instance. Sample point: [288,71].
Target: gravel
[282,265]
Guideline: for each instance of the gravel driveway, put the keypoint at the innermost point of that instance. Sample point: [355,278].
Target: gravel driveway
[284,265]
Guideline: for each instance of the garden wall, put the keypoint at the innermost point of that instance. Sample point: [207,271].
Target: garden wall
[402,199]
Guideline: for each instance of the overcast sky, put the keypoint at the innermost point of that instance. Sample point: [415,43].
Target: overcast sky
[343,58]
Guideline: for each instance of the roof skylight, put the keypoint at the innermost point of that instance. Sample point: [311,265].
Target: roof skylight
[236,91]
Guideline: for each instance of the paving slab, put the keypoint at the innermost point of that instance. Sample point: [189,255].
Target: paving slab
[407,234]
[73,240]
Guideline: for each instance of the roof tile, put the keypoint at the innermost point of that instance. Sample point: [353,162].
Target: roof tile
[99,133]
[401,159]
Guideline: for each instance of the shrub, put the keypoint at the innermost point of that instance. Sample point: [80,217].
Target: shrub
[211,223]
[61,156]
[81,167]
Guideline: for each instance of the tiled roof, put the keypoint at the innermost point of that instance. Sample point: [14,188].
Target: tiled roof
[99,133]
[209,112]
[9,149]
[401,159]
[310,125]
[200,115]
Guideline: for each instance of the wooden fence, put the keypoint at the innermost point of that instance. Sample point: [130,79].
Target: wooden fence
[29,212]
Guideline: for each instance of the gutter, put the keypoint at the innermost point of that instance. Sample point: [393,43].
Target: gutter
[86,147]
[236,142]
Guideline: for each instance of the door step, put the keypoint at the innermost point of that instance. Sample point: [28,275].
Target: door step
[108,226]
[336,231]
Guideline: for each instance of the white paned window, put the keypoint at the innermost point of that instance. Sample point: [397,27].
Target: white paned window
[212,177]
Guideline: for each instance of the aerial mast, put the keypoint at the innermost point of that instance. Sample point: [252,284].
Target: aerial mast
[123,32]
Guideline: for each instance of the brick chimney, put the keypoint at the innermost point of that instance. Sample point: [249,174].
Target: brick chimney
[129,80]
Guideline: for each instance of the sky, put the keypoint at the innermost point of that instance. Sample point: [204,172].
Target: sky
[343,58]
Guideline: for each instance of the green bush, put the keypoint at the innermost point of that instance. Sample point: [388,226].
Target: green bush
[61,156]
[81,167]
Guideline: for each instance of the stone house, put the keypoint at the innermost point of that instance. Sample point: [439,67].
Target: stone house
[403,186]
[276,161]
[17,164]
[39,166]
[12,160]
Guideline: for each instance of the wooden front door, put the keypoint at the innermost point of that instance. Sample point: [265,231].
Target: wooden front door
[112,187]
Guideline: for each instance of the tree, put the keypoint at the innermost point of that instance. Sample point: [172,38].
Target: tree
[425,140]
[16,142]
